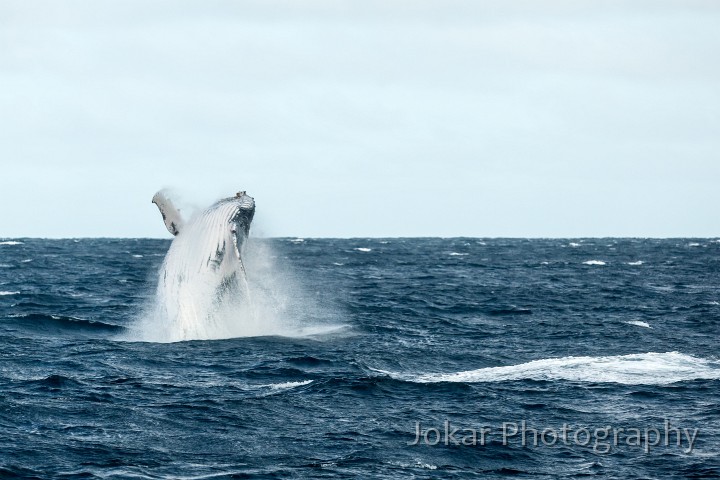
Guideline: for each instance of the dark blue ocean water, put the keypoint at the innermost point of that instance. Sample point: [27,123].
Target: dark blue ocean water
[402,333]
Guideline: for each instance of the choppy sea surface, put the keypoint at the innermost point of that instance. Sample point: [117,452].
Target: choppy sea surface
[606,349]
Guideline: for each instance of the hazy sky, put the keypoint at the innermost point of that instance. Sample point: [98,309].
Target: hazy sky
[363,118]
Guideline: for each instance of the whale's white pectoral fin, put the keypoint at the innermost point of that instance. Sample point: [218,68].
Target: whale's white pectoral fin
[237,246]
[171,215]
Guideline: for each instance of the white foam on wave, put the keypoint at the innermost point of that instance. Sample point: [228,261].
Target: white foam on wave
[574,245]
[297,240]
[27,260]
[693,244]
[639,262]
[137,256]
[363,249]
[11,242]
[638,323]
[635,369]
[3,293]
[594,262]
[457,254]
[287,385]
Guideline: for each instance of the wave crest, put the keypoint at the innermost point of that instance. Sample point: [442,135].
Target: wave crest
[636,369]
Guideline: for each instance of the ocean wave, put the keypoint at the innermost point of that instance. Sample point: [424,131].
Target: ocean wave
[287,385]
[639,262]
[59,323]
[594,262]
[457,254]
[3,293]
[638,323]
[11,242]
[363,249]
[635,369]
[509,310]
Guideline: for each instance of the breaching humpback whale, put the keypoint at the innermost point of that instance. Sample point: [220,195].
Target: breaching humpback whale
[203,277]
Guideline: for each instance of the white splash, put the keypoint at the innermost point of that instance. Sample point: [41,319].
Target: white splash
[574,245]
[207,297]
[636,369]
[11,242]
[638,323]
[594,262]
[363,249]
[287,385]
[639,262]
[3,293]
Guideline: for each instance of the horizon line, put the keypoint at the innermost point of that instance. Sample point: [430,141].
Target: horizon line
[371,237]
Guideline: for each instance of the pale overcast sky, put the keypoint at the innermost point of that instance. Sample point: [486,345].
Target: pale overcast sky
[363,118]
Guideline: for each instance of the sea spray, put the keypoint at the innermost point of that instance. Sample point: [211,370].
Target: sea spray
[273,301]
[214,283]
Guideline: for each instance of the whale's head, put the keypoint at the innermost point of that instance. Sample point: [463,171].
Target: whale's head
[242,213]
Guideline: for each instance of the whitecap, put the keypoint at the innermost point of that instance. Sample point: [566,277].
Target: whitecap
[11,242]
[574,245]
[638,323]
[418,464]
[639,262]
[338,264]
[363,249]
[594,262]
[457,254]
[138,256]
[635,369]
[8,293]
[713,303]
[297,240]
[287,385]
[693,244]
[27,260]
